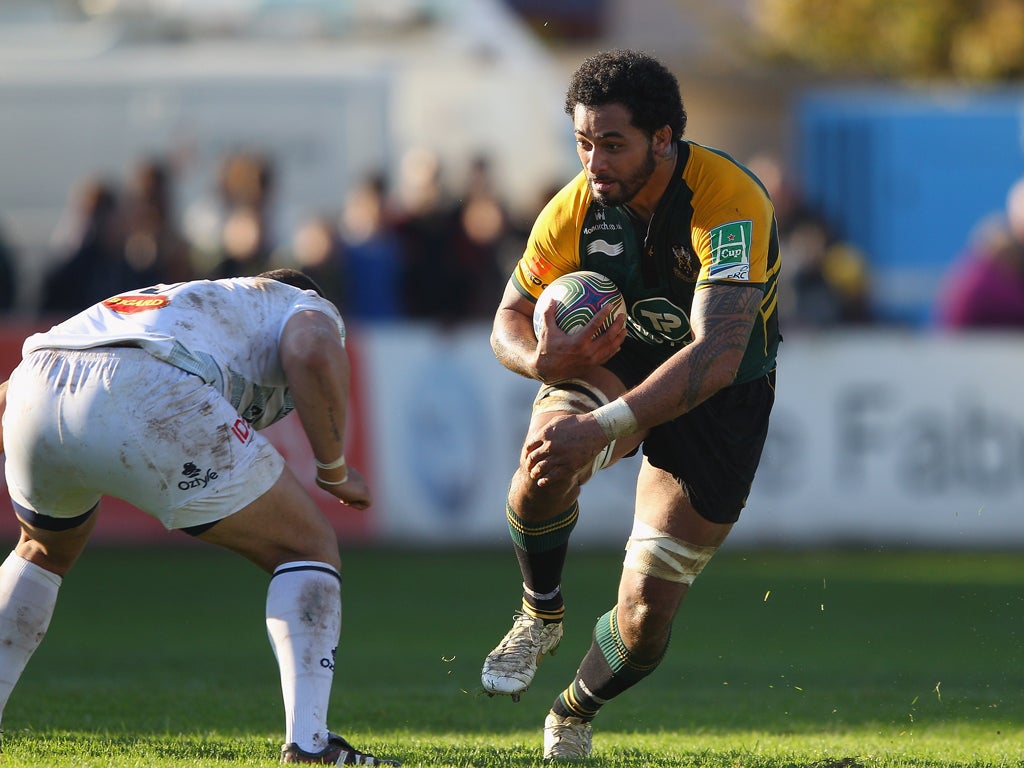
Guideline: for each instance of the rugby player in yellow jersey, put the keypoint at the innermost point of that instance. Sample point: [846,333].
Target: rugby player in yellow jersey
[689,236]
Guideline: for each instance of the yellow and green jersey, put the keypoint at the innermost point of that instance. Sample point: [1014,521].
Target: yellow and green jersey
[714,224]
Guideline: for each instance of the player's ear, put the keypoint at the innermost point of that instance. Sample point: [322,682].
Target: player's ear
[661,141]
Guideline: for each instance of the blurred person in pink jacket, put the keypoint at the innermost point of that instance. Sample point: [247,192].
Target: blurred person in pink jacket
[985,286]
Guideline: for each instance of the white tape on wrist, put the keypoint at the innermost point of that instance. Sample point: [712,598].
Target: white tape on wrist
[616,419]
[336,464]
[342,481]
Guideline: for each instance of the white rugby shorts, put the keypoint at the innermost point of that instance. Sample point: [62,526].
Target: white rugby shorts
[81,424]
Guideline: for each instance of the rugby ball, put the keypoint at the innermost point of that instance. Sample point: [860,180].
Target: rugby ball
[578,296]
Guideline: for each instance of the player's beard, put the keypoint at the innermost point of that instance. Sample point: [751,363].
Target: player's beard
[628,188]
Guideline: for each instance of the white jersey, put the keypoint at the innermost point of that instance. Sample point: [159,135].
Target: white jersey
[225,331]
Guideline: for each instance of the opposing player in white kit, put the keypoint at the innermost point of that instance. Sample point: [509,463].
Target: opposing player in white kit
[156,397]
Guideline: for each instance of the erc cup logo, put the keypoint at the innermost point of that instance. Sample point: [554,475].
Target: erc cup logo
[730,251]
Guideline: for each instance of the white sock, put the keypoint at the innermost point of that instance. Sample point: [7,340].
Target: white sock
[28,595]
[304,623]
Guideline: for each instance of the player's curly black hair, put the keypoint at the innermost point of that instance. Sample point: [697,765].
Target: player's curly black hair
[634,79]
[294,278]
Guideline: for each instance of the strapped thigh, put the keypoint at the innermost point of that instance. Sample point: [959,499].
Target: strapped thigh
[658,554]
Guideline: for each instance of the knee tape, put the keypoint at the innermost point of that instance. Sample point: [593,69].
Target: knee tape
[655,553]
[575,396]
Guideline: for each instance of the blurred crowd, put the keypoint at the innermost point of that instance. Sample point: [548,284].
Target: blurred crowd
[417,250]
[984,288]
[825,280]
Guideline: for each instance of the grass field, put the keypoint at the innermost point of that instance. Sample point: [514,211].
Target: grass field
[872,659]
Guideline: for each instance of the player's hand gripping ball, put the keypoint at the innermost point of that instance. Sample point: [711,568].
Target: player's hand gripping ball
[578,296]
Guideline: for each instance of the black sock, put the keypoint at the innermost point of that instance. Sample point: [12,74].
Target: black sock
[541,549]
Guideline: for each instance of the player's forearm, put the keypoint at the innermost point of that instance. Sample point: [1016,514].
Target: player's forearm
[320,393]
[514,344]
[691,376]
[317,370]
[678,386]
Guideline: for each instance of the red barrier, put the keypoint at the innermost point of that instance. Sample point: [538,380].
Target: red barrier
[121,523]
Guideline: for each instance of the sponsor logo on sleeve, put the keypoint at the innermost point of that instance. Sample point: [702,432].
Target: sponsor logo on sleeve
[730,251]
[537,267]
[130,304]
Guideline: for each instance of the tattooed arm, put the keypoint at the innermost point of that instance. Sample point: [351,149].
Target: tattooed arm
[721,319]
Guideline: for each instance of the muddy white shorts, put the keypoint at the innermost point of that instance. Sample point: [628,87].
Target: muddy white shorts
[81,424]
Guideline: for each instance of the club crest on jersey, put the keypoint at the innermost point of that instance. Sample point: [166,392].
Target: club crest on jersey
[129,305]
[730,250]
[687,267]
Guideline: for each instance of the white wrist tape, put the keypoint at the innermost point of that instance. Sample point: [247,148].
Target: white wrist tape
[342,481]
[336,464]
[616,419]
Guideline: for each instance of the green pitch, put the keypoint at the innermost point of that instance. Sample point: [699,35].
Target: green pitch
[867,659]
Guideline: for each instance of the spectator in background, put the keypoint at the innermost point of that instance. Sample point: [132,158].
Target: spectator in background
[8,275]
[985,286]
[317,250]
[372,254]
[480,234]
[153,240]
[244,245]
[827,279]
[431,285]
[92,262]
[521,222]
[232,232]
[791,207]
[112,241]
[826,282]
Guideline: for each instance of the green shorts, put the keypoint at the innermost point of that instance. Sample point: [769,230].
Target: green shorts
[714,450]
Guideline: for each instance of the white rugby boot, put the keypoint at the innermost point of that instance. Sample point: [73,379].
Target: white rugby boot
[510,667]
[566,738]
